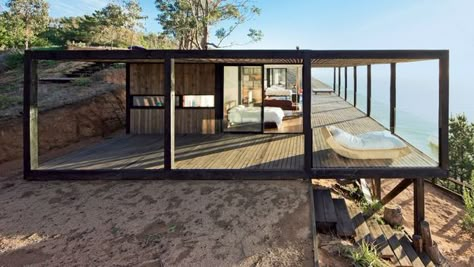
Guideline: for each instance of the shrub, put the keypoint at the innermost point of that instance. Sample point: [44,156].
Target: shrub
[82,81]
[468,196]
[365,256]
[8,101]
[13,59]
[461,147]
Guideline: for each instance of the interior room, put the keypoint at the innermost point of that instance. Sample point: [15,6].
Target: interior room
[271,94]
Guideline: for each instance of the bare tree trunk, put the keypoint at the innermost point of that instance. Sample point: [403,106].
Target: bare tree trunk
[205,29]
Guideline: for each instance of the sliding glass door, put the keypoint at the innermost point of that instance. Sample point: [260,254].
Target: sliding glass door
[243,99]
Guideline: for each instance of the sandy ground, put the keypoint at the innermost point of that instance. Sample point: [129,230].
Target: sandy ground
[444,215]
[154,223]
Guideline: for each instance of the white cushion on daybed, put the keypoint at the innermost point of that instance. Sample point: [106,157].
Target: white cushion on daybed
[371,145]
[370,140]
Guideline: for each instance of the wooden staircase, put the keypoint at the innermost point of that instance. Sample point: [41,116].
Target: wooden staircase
[84,70]
[333,215]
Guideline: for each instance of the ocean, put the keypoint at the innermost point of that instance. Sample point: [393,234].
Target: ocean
[417,100]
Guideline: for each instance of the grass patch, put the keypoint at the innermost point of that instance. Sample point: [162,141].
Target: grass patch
[82,81]
[8,101]
[13,59]
[371,208]
[364,256]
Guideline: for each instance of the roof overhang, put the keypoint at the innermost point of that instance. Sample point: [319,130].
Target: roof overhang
[319,58]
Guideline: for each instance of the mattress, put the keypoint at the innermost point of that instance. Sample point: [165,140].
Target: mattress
[241,114]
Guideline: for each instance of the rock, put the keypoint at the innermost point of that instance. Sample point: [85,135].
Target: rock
[471,261]
[393,215]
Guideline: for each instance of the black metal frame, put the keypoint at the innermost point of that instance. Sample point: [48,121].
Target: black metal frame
[305,57]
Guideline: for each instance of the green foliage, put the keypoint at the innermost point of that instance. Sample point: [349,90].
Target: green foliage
[82,81]
[13,59]
[27,18]
[8,101]
[468,196]
[370,208]
[365,256]
[189,22]
[461,147]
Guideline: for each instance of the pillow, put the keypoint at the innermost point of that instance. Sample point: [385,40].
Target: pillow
[237,108]
[346,139]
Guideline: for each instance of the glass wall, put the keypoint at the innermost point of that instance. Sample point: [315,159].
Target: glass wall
[243,98]
[381,94]
[417,105]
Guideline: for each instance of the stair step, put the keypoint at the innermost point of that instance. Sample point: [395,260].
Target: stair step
[381,242]
[361,228]
[325,213]
[403,260]
[344,226]
[56,80]
[410,251]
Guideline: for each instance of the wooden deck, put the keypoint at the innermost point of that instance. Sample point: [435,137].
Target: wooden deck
[222,151]
[329,109]
[240,151]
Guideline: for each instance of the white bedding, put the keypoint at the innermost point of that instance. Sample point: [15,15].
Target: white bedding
[276,90]
[241,114]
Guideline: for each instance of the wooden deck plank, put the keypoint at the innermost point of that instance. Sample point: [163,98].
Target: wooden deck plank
[381,242]
[410,251]
[397,248]
[326,218]
[362,230]
[345,227]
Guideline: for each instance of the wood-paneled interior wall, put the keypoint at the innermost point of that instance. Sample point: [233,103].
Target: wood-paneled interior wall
[191,79]
[188,121]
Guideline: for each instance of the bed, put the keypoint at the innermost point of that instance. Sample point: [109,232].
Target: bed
[241,114]
[278,90]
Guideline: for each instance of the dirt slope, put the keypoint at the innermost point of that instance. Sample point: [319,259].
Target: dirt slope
[444,215]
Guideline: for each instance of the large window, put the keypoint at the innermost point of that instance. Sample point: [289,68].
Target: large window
[277,76]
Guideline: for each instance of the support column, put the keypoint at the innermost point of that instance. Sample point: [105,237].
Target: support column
[128,100]
[443,110]
[369,90]
[419,204]
[219,97]
[345,83]
[334,81]
[378,188]
[393,96]
[355,86]
[169,133]
[308,131]
[339,79]
[30,115]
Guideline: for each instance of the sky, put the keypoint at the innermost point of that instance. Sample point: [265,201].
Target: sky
[361,24]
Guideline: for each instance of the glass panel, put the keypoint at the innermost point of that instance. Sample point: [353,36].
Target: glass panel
[277,77]
[350,85]
[243,99]
[283,104]
[198,101]
[381,94]
[362,88]
[417,105]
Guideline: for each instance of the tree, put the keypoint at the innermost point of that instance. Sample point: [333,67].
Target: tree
[29,16]
[190,21]
[461,148]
